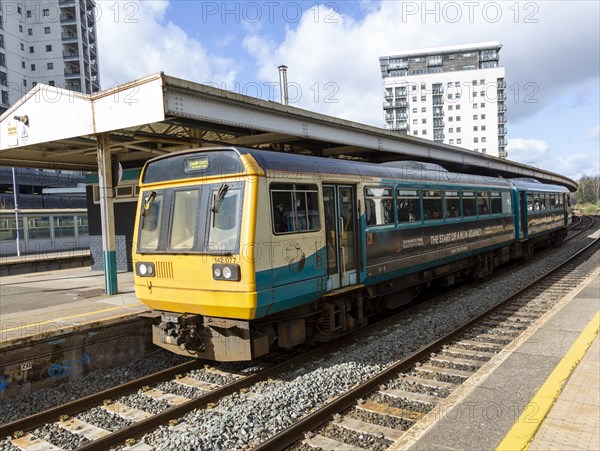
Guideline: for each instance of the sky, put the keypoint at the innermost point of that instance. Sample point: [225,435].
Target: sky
[550,51]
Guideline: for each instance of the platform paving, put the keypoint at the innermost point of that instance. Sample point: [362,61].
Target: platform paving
[38,305]
[488,405]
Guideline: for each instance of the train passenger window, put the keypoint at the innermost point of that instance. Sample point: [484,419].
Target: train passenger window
[432,204]
[64,226]
[183,221]
[468,203]
[483,199]
[543,201]
[536,202]
[295,208]
[552,200]
[379,206]
[38,228]
[452,203]
[496,202]
[408,205]
[150,225]
[506,203]
[530,201]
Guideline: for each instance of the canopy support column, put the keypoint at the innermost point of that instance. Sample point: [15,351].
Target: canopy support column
[107,214]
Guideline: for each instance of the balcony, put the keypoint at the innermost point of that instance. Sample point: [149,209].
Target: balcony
[70,55]
[501,119]
[502,153]
[387,105]
[501,108]
[501,84]
[68,19]
[397,66]
[401,104]
[438,113]
[501,96]
[438,124]
[501,131]
[71,74]
[502,142]
[68,37]
[401,95]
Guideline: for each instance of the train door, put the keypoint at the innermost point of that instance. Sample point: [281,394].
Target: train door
[341,238]
[524,213]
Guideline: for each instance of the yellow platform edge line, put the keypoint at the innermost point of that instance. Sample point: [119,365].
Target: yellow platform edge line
[69,317]
[523,431]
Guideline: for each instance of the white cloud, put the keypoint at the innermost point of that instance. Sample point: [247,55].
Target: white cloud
[529,151]
[594,133]
[135,41]
[536,37]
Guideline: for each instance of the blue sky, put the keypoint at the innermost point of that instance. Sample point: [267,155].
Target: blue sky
[550,52]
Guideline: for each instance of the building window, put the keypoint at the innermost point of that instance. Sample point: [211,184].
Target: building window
[48,48]
[483,128]
[423,121]
[29,14]
[423,132]
[474,93]
[457,96]
[24,82]
[450,118]
[33,67]
[5,97]
[451,130]
[468,67]
[457,84]
[483,139]
[458,129]
[475,140]
[482,82]
[475,128]
[2,59]
[45,12]
[1,39]
[475,117]
[22,47]
[23,64]
[474,105]
[21,28]
[451,141]
[51,83]
[483,150]
[450,107]
[30,31]
[483,105]
[414,98]
[416,132]
[458,107]
[449,96]
[414,87]
[34,84]
[457,118]
[46,30]
[414,110]
[423,98]
[423,86]
[423,110]
[31,49]
[50,66]
[459,141]
[483,117]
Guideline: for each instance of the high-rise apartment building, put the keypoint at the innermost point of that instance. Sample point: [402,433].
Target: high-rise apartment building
[51,42]
[453,94]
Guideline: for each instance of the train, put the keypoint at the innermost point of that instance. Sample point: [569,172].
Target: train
[241,251]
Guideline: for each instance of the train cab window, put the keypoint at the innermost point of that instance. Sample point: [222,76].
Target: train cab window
[408,205]
[225,219]
[150,221]
[432,204]
[483,201]
[183,223]
[379,206]
[452,204]
[468,203]
[496,202]
[295,208]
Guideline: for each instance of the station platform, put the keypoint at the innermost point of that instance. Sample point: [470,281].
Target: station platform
[541,393]
[44,304]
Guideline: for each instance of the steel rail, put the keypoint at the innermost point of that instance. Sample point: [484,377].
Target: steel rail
[312,421]
[94,400]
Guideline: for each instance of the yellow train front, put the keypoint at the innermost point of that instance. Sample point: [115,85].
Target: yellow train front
[204,256]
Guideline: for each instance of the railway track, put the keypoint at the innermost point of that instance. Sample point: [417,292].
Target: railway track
[171,394]
[378,412]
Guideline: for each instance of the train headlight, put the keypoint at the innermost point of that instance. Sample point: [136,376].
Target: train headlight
[144,269]
[226,272]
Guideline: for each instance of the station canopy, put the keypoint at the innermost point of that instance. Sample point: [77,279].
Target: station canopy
[59,129]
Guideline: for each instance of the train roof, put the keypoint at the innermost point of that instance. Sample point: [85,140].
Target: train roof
[176,166]
[529,184]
